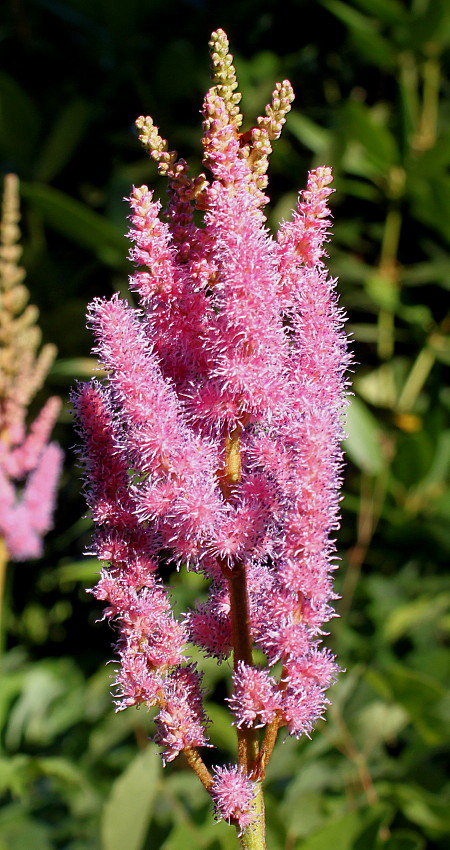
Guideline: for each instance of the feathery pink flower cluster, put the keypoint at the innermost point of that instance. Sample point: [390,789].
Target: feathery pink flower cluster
[214,442]
[29,464]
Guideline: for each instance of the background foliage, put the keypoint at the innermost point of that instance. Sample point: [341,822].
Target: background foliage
[372,101]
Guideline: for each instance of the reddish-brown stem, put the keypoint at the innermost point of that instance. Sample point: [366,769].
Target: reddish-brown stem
[267,746]
[198,766]
[236,575]
[242,649]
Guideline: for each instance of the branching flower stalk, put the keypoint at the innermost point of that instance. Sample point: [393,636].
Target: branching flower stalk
[214,441]
[29,463]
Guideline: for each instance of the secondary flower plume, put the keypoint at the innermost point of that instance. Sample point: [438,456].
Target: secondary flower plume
[214,442]
[29,463]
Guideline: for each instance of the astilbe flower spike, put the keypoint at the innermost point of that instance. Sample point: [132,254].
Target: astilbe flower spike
[29,463]
[214,442]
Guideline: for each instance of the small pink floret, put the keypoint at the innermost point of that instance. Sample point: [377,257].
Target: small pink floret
[233,795]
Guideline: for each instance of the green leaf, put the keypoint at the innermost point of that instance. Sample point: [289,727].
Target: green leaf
[423,698]
[365,37]
[51,702]
[85,571]
[223,735]
[363,443]
[15,774]
[431,201]
[303,812]
[404,839]
[128,810]
[414,458]
[19,831]
[430,24]
[367,127]
[408,617]
[62,139]
[78,222]
[428,810]
[311,135]
[346,832]
[19,124]
[379,722]
[114,728]
[389,11]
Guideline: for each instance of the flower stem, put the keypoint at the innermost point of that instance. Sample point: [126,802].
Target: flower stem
[198,766]
[253,837]
[242,650]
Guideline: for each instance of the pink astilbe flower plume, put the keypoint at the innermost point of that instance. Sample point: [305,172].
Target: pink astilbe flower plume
[30,465]
[213,443]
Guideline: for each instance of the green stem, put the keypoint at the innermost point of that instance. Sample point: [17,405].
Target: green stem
[430,103]
[416,379]
[388,265]
[253,836]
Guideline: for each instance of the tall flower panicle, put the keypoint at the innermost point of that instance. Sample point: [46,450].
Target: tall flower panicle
[29,464]
[214,442]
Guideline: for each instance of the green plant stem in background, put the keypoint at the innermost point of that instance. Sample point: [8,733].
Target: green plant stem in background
[415,381]
[427,129]
[371,500]
[388,264]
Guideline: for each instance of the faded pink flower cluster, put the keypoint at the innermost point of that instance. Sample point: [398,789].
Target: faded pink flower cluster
[214,443]
[30,464]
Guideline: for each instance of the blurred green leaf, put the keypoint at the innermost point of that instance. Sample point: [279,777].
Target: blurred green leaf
[222,734]
[19,124]
[425,808]
[422,697]
[379,722]
[128,810]
[18,831]
[367,128]
[14,775]
[431,202]
[389,11]
[79,223]
[430,27]
[51,700]
[62,139]
[404,839]
[363,443]
[413,458]
[366,38]
[315,138]
[407,617]
[345,833]
[85,571]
